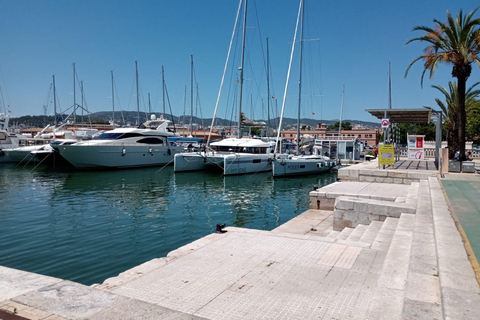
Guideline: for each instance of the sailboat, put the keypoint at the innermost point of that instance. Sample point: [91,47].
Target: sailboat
[232,156]
[287,164]
[144,146]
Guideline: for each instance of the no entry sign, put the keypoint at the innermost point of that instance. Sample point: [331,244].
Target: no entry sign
[385,122]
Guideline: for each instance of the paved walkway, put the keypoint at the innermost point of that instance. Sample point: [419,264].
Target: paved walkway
[411,267]
[463,192]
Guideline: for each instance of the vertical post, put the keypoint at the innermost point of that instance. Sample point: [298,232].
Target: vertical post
[54,102]
[113,100]
[74,98]
[138,101]
[239,127]
[300,79]
[191,95]
[268,86]
[438,138]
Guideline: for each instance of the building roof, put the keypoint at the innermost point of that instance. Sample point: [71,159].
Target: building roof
[419,115]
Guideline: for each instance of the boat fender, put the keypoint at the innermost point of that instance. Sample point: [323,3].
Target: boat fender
[150,150]
[169,152]
[124,151]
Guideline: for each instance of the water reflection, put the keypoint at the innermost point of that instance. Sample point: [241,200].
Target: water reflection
[89,225]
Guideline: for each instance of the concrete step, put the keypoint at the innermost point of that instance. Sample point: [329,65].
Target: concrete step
[412,194]
[357,232]
[393,275]
[385,234]
[344,233]
[371,233]
[333,234]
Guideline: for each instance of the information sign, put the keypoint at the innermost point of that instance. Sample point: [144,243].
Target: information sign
[386,154]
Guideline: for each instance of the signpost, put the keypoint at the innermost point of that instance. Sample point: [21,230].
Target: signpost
[386,155]
[385,122]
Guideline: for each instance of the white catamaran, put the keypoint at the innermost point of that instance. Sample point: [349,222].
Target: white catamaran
[233,155]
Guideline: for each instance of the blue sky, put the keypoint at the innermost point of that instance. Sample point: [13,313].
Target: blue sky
[354,42]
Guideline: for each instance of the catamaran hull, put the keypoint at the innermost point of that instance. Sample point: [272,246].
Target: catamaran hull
[196,162]
[118,156]
[247,163]
[292,167]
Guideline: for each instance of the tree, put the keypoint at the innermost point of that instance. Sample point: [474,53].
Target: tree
[450,112]
[456,42]
[345,126]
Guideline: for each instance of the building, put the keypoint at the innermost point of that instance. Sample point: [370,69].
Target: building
[370,137]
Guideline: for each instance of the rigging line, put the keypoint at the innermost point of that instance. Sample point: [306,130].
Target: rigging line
[223,76]
[6,91]
[118,100]
[288,78]
[170,107]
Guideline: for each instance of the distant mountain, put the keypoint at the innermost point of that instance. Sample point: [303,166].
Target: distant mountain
[131,117]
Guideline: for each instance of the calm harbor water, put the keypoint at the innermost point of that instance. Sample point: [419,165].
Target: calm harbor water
[87,226]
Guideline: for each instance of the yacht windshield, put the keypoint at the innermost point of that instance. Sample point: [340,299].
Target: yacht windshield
[108,136]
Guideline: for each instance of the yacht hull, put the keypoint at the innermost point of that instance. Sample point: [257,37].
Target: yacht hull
[184,162]
[247,163]
[299,166]
[117,156]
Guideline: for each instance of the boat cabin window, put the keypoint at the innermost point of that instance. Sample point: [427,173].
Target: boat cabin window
[108,136]
[151,140]
[239,149]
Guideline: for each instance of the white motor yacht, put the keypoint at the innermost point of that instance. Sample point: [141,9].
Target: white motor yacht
[144,146]
[232,156]
[8,139]
[289,165]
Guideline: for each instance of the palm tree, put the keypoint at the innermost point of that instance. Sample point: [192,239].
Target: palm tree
[450,111]
[456,42]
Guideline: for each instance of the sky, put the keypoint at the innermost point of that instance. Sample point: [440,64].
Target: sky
[348,46]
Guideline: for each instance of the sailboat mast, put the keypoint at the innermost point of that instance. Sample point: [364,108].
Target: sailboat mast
[138,101]
[191,94]
[54,101]
[113,99]
[149,104]
[74,98]
[239,128]
[268,85]
[163,89]
[340,125]
[300,78]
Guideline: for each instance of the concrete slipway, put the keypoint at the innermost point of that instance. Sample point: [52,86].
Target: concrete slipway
[411,264]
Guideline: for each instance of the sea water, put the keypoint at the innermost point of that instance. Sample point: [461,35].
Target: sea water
[87,226]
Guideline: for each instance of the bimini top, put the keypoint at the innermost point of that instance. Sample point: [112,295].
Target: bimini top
[418,115]
[235,142]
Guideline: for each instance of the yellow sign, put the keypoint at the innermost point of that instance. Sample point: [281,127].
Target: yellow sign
[386,155]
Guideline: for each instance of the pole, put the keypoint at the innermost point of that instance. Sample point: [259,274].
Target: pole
[239,128]
[300,80]
[138,101]
[113,100]
[191,95]
[268,85]
[74,98]
[55,102]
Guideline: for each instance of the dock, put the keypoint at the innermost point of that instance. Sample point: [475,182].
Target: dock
[378,244]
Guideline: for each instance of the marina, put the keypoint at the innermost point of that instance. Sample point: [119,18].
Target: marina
[86,226]
[408,261]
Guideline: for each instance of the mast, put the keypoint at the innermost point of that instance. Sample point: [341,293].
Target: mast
[54,101]
[163,89]
[300,79]
[138,101]
[340,125]
[149,104]
[74,98]
[113,99]
[268,85]
[81,91]
[239,128]
[191,95]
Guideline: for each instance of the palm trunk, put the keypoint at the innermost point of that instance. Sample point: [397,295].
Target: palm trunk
[461,115]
